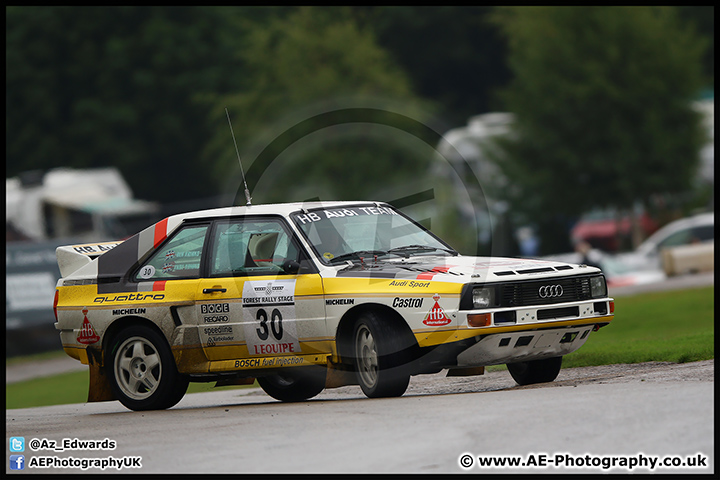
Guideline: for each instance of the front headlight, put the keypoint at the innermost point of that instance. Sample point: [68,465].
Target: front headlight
[598,289]
[483,297]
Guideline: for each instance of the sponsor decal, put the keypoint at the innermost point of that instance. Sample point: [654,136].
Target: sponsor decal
[268,362]
[268,310]
[168,267]
[213,340]
[129,311]
[218,330]
[129,298]
[87,332]
[340,301]
[436,316]
[169,254]
[214,308]
[276,348]
[407,302]
[409,284]
[343,212]
[216,319]
[95,248]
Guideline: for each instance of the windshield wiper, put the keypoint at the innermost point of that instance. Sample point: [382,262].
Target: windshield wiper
[406,249]
[358,254]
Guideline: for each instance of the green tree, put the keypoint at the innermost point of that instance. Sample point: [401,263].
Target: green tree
[144,89]
[602,98]
[300,67]
[453,55]
[120,86]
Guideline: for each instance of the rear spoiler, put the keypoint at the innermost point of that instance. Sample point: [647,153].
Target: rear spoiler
[71,257]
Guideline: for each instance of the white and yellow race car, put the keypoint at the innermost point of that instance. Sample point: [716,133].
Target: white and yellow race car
[308,296]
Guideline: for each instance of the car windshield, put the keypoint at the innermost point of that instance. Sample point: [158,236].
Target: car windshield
[339,234]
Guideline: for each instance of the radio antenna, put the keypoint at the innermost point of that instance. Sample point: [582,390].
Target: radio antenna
[247,192]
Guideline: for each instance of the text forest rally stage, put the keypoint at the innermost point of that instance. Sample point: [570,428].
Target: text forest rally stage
[307,296]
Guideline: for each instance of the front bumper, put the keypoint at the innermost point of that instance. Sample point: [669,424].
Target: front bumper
[522,346]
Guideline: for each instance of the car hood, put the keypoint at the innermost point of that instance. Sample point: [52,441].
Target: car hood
[460,269]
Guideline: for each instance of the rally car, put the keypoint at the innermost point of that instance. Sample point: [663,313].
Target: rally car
[307,296]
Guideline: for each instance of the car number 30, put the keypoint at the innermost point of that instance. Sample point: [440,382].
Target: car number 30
[276,327]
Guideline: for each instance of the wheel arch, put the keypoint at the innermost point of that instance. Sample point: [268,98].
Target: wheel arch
[344,332]
[124,322]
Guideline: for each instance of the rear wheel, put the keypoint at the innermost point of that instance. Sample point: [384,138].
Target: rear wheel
[535,371]
[294,385]
[142,370]
[382,354]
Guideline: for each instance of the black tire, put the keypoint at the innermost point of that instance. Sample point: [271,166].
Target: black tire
[142,370]
[382,353]
[535,371]
[294,385]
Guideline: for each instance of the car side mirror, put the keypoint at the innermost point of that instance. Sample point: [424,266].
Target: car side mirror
[291,267]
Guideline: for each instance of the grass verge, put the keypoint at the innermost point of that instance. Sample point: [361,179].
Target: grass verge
[70,388]
[676,326]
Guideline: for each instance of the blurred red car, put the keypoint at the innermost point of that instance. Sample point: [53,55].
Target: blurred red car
[602,230]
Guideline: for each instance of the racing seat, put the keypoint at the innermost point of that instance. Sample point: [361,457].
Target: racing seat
[262,249]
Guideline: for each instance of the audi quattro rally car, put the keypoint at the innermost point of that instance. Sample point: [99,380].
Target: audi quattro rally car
[307,296]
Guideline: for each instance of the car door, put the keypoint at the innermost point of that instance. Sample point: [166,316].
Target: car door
[260,296]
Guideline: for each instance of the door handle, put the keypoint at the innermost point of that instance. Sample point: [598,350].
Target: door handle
[213,290]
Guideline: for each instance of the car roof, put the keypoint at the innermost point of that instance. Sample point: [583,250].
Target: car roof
[268,209]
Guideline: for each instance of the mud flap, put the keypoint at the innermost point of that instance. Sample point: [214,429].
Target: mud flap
[100,389]
[339,378]
[465,371]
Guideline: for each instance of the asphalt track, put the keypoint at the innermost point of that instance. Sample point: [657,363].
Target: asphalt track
[590,414]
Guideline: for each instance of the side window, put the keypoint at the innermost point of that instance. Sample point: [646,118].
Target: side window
[251,247]
[704,233]
[682,237]
[178,258]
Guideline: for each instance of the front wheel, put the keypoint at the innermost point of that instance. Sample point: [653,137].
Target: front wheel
[535,371]
[294,385]
[142,370]
[382,353]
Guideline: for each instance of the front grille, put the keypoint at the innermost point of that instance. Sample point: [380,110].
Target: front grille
[528,293]
[523,294]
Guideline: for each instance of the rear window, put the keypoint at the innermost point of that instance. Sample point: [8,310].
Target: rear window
[177,258]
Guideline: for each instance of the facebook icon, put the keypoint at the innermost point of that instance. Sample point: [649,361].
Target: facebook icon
[17,462]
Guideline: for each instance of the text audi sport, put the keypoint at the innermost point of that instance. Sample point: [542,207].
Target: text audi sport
[309,296]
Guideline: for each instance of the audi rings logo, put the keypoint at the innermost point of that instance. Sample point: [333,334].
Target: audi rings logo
[550,291]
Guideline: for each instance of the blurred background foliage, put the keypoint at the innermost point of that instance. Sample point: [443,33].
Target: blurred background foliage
[607,123]
[601,96]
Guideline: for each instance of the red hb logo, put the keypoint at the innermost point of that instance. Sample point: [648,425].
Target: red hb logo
[87,332]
